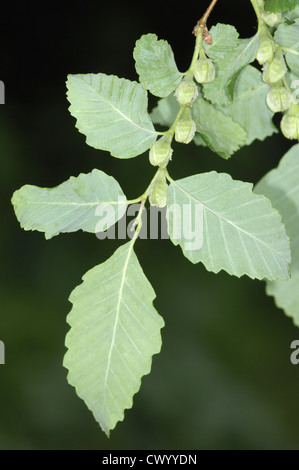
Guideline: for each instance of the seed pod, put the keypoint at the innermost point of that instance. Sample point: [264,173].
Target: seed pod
[271,19]
[186,92]
[185,128]
[279,99]
[275,71]
[266,50]
[204,70]
[290,126]
[160,153]
[158,192]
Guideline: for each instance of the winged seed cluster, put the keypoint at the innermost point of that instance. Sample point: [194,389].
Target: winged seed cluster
[221,102]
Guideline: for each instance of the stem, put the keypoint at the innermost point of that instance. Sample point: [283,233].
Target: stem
[202,22]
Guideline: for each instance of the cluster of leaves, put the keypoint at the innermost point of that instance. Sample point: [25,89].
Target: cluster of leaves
[115,330]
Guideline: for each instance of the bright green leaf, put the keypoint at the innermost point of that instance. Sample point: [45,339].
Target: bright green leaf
[73,205]
[275,6]
[112,113]
[281,186]
[222,135]
[241,232]
[115,330]
[155,65]
[249,107]
[229,55]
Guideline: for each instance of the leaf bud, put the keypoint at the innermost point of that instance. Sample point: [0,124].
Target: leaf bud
[185,128]
[186,92]
[271,19]
[279,99]
[266,50]
[204,70]
[160,153]
[275,71]
[290,123]
[158,192]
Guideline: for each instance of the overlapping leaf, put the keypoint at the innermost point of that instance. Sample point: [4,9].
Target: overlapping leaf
[275,6]
[249,107]
[112,113]
[223,135]
[114,332]
[281,185]
[230,54]
[241,232]
[288,36]
[75,204]
[155,65]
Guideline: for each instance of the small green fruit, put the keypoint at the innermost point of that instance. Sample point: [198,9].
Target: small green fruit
[279,99]
[275,71]
[186,92]
[271,19]
[158,192]
[266,50]
[204,70]
[185,128]
[160,153]
[290,123]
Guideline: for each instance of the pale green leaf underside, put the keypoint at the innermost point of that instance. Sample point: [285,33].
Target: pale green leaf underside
[155,65]
[115,330]
[78,203]
[223,135]
[230,55]
[281,185]
[242,233]
[288,36]
[112,113]
[249,107]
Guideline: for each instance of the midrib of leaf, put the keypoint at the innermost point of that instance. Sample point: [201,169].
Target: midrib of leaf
[116,322]
[120,112]
[239,229]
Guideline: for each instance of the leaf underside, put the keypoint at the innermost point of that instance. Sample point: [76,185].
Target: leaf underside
[115,330]
[112,113]
[281,186]
[73,205]
[242,233]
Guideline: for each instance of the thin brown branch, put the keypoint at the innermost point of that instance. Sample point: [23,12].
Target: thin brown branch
[202,23]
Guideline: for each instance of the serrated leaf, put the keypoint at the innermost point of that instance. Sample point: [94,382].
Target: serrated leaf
[292,15]
[165,112]
[281,186]
[241,232]
[288,37]
[229,55]
[71,206]
[275,6]
[112,113]
[155,65]
[222,135]
[115,330]
[249,107]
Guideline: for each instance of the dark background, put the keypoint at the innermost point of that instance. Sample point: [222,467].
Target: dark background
[223,379]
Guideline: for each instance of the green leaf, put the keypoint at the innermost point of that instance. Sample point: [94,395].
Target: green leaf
[165,112]
[112,113]
[275,6]
[241,232]
[281,186]
[219,131]
[155,65]
[73,205]
[288,37]
[114,332]
[249,107]
[229,54]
